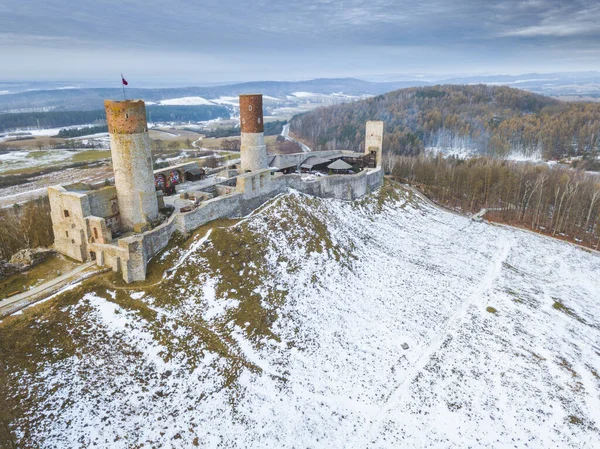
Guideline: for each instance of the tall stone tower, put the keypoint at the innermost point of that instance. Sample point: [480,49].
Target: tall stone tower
[374,140]
[253,150]
[132,162]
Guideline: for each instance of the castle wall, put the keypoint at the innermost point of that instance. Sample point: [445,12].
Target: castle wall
[298,158]
[75,214]
[132,162]
[97,230]
[115,257]
[68,211]
[104,203]
[344,187]
[252,190]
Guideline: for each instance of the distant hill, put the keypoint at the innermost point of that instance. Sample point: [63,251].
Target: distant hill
[92,98]
[38,96]
[494,120]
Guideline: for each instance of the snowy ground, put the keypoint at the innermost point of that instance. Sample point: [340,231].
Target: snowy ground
[466,153]
[287,331]
[187,101]
[38,132]
[38,186]
[39,159]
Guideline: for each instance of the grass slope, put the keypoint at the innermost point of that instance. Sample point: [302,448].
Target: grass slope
[286,329]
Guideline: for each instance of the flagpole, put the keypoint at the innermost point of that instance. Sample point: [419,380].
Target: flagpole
[123,85]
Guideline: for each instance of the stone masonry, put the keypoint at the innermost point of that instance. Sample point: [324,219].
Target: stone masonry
[132,162]
[374,139]
[253,152]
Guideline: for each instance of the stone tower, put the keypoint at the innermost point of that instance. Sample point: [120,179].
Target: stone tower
[253,150]
[374,140]
[132,162]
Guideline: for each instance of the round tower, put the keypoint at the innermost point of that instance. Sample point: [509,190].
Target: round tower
[132,162]
[253,150]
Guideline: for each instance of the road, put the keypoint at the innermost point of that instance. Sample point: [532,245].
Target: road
[286,134]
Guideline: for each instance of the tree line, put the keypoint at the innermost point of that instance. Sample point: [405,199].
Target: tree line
[86,130]
[25,226]
[554,200]
[492,120]
[156,113]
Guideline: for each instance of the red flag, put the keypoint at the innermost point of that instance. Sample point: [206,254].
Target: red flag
[124,81]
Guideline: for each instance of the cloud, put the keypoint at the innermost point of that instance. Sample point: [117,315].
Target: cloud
[313,36]
[569,19]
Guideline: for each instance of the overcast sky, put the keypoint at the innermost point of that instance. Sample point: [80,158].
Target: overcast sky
[199,41]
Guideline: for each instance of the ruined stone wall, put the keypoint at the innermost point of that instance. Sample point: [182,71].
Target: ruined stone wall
[68,211]
[374,139]
[227,206]
[253,152]
[115,257]
[132,162]
[104,203]
[343,187]
[97,230]
[252,190]
[298,158]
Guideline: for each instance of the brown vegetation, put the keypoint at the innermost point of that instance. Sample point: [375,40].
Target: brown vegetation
[558,201]
[25,226]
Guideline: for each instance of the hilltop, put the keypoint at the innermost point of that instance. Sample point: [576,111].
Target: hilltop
[288,328]
[492,120]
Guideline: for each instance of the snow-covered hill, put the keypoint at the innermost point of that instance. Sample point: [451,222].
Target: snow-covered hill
[287,330]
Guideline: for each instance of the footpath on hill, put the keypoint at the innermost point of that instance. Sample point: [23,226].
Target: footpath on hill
[13,304]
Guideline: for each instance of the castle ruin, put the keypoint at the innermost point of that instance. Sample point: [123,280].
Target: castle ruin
[121,226]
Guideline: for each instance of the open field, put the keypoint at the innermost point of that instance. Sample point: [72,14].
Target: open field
[36,142]
[173,134]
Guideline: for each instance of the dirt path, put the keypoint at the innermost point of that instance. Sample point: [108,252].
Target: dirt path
[446,330]
[15,303]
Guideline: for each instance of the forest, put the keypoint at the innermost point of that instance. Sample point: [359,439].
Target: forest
[58,119]
[271,129]
[85,131]
[558,201]
[490,120]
